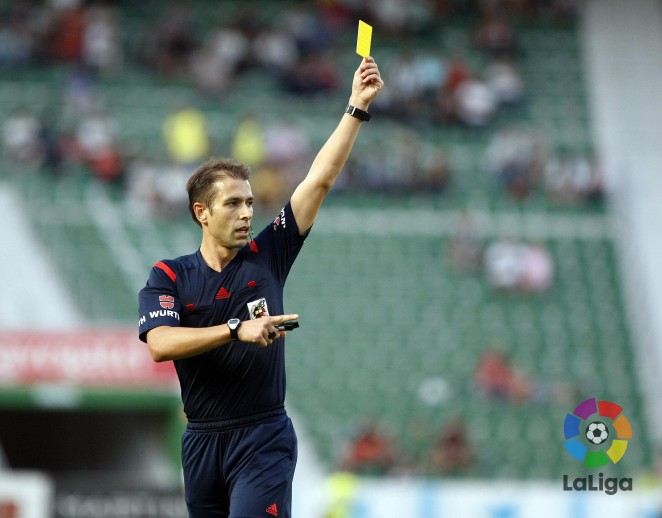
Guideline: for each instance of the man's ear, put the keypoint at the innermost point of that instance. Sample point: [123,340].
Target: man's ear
[200,212]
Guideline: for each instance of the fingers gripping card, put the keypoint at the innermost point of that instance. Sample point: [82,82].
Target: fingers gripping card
[363,39]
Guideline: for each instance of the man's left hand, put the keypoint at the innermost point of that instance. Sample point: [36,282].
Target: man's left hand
[367,84]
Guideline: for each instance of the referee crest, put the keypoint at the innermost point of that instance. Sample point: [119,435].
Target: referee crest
[258,308]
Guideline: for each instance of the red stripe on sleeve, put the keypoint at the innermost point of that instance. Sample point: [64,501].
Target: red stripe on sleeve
[167,269]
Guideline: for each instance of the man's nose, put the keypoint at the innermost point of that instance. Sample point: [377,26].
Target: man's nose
[246,212]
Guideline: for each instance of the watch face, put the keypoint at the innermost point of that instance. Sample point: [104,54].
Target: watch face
[233,322]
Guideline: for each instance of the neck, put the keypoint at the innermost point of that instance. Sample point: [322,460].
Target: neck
[216,256]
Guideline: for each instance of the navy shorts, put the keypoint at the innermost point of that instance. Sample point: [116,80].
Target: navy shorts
[240,468]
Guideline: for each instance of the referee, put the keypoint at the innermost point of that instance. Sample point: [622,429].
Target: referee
[215,313]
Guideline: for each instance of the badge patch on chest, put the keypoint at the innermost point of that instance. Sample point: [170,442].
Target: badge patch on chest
[258,308]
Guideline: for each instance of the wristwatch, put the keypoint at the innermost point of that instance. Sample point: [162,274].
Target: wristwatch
[234,324]
[358,113]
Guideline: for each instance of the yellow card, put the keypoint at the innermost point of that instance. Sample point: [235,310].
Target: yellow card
[363,40]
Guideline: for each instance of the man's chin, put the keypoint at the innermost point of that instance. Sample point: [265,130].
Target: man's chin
[241,243]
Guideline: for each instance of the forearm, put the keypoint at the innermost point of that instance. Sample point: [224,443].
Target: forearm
[310,193]
[336,150]
[175,343]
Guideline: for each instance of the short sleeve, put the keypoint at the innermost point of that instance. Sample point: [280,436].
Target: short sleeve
[280,243]
[158,303]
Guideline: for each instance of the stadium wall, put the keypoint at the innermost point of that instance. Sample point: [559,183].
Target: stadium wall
[623,48]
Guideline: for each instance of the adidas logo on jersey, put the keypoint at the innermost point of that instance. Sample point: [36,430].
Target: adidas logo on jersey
[222,294]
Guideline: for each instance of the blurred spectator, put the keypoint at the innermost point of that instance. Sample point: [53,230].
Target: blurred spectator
[475,103]
[186,136]
[400,17]
[495,34]
[66,38]
[287,148]
[248,144]
[315,74]
[101,39]
[452,453]
[504,264]
[417,80]
[339,15]
[309,29]
[211,76]
[269,189]
[518,267]
[373,171]
[496,378]
[434,175]
[372,452]
[276,51]
[458,72]
[21,138]
[50,145]
[223,54]
[168,44]
[16,43]
[230,45]
[516,158]
[505,81]
[79,95]
[405,89]
[97,143]
[157,188]
[431,73]
[268,152]
[416,168]
[573,178]
[537,270]
[404,166]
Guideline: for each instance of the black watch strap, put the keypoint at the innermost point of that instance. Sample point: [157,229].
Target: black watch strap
[358,113]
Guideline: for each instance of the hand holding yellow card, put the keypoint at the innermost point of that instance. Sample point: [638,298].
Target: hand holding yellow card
[363,40]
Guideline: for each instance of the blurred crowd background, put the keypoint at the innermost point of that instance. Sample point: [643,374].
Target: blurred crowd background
[462,287]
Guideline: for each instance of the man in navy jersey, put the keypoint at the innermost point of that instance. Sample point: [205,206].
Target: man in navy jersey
[215,313]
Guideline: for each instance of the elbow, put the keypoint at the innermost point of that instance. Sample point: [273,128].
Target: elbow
[323,185]
[157,353]
[156,348]
[325,176]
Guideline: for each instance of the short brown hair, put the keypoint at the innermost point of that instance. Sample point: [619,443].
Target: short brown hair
[202,188]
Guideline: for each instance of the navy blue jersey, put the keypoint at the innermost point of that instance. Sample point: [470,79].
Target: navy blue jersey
[238,379]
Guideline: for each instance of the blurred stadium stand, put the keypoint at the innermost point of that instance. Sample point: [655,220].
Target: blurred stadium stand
[391,330]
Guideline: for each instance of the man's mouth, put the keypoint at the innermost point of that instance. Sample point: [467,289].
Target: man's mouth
[244,231]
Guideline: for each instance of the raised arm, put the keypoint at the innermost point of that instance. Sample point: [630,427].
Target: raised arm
[310,193]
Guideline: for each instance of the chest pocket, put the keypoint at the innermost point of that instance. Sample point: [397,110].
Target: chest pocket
[196,317]
[253,299]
